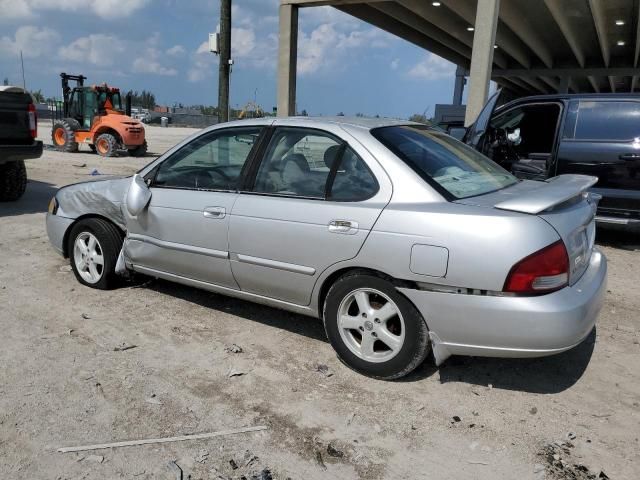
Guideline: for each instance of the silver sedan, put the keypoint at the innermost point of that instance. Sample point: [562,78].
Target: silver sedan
[401,239]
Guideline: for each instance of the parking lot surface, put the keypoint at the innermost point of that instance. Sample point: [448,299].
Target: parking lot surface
[155,359]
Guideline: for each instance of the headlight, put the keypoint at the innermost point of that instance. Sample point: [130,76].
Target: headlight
[53,206]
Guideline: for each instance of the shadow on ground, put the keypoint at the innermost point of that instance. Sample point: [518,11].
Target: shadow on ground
[35,200]
[537,375]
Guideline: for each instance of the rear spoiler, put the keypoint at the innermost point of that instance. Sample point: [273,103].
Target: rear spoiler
[552,192]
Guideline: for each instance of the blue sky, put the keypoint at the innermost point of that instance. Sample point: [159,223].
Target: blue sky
[159,45]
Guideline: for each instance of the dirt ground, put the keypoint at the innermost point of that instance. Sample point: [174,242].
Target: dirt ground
[64,382]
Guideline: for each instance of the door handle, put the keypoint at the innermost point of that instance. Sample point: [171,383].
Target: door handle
[343,226]
[214,212]
[630,156]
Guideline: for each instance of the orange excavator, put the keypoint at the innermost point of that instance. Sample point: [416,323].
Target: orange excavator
[94,116]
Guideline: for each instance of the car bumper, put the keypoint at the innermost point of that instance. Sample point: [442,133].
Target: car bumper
[11,153]
[496,326]
[57,227]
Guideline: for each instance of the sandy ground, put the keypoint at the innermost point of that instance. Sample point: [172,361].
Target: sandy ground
[63,384]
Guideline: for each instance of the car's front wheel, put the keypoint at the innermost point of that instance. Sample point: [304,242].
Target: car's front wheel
[374,329]
[94,246]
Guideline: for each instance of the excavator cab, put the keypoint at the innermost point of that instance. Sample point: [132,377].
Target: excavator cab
[94,115]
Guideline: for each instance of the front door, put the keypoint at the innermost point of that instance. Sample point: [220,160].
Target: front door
[184,229]
[312,204]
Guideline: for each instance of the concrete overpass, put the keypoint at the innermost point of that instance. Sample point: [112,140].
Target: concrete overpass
[527,46]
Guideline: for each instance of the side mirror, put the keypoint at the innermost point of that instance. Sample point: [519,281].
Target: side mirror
[138,196]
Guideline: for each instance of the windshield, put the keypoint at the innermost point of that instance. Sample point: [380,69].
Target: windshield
[112,97]
[450,166]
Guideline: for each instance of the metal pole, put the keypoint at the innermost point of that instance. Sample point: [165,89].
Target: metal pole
[225,57]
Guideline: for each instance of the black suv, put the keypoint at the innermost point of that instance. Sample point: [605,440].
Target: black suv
[544,136]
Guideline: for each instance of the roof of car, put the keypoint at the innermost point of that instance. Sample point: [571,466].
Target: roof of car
[569,96]
[364,122]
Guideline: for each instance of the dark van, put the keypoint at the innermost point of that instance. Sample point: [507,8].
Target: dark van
[544,136]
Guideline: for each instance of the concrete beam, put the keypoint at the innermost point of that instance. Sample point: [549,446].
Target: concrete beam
[321,3]
[287,60]
[507,40]
[567,72]
[601,29]
[557,9]
[518,23]
[594,83]
[399,29]
[482,57]
[421,25]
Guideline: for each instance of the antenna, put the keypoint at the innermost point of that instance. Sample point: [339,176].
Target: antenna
[24,84]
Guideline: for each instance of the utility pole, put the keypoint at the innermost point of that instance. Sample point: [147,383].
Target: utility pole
[225,60]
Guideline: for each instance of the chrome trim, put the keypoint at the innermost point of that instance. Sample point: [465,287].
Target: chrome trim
[264,262]
[178,246]
[616,220]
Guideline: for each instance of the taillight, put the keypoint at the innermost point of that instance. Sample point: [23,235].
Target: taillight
[33,121]
[545,271]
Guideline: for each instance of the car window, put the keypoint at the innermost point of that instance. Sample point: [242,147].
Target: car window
[599,120]
[212,161]
[353,180]
[450,166]
[297,162]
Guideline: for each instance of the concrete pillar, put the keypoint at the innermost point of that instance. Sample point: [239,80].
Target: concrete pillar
[458,88]
[564,85]
[484,37]
[287,60]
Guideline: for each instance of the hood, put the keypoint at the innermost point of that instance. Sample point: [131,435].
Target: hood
[101,196]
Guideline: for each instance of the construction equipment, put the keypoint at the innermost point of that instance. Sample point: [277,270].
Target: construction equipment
[95,116]
[251,110]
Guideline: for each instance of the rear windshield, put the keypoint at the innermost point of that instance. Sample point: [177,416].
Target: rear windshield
[449,165]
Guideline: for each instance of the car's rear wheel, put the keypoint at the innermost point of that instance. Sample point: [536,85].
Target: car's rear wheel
[374,329]
[13,180]
[94,246]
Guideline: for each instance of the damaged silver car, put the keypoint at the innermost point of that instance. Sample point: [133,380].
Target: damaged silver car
[401,239]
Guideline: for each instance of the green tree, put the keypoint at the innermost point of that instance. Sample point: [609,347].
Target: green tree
[419,118]
[144,99]
[38,96]
[304,113]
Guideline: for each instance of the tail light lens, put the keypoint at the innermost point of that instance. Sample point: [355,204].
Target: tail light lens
[33,120]
[545,271]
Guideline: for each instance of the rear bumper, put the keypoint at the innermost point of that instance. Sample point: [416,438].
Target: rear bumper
[11,153]
[494,326]
[56,229]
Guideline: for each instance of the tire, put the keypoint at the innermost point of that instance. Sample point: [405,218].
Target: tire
[106,145]
[13,180]
[409,331]
[140,151]
[63,135]
[109,243]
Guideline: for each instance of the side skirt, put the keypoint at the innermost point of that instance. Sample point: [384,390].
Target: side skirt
[252,297]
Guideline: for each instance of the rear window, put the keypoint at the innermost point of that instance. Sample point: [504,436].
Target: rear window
[450,166]
[608,121]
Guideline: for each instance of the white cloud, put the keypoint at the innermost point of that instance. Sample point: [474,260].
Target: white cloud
[33,41]
[395,63]
[326,47]
[98,49]
[433,67]
[176,50]
[107,9]
[150,63]
[243,42]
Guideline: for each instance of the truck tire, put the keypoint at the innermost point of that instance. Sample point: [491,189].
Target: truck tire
[106,145]
[63,135]
[140,151]
[13,181]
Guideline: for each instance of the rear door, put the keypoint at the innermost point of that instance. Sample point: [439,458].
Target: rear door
[312,202]
[602,138]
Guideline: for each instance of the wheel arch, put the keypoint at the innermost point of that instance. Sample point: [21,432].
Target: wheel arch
[106,129]
[65,238]
[341,272]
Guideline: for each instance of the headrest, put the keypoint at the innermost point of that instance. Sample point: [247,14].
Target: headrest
[298,159]
[330,155]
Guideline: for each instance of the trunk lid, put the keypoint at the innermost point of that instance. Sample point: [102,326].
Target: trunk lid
[563,202]
[14,117]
